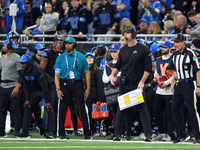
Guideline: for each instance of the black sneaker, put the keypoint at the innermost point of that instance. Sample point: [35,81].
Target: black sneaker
[87,138]
[103,132]
[196,141]
[64,137]
[180,140]
[148,139]
[128,138]
[11,131]
[50,135]
[43,134]
[22,135]
[116,138]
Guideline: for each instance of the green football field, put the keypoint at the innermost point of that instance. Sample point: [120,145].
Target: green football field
[77,142]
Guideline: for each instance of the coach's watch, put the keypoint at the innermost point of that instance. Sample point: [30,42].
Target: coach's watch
[57,89]
[198,86]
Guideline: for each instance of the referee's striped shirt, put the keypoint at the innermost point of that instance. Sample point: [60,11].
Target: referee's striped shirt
[185,64]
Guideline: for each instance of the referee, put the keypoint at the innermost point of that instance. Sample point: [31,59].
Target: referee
[185,88]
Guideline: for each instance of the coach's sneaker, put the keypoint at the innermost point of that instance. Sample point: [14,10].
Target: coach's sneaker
[64,137]
[116,138]
[50,135]
[196,141]
[22,135]
[87,138]
[167,138]
[12,131]
[128,138]
[180,140]
[148,139]
[43,134]
[158,137]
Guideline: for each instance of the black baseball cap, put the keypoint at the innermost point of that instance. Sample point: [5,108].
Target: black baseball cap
[58,39]
[179,37]
[129,30]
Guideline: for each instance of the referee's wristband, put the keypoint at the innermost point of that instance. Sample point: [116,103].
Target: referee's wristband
[198,86]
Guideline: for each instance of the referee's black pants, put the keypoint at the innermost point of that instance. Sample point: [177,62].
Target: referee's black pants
[35,98]
[126,115]
[73,91]
[185,92]
[7,101]
[162,103]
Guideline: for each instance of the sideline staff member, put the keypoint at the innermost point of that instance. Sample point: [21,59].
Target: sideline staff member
[135,62]
[185,87]
[37,85]
[69,68]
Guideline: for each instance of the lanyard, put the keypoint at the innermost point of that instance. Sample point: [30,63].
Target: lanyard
[74,61]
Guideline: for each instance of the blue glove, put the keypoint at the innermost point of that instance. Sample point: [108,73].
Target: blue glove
[89,35]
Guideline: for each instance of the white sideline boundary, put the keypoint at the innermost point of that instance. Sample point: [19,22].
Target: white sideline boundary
[3,140]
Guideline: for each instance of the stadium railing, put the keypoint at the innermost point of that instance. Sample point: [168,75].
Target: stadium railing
[25,39]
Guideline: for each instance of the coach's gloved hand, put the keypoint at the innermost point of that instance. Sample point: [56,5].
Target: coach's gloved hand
[47,106]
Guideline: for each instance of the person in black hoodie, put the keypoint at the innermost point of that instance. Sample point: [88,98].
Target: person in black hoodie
[96,87]
[37,85]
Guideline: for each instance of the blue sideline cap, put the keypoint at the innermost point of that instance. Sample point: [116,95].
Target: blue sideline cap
[145,20]
[114,47]
[166,44]
[154,48]
[92,50]
[70,40]
[24,59]
[89,54]
[29,53]
[142,41]
[40,46]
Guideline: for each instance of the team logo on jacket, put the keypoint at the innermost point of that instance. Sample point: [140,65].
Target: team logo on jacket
[134,52]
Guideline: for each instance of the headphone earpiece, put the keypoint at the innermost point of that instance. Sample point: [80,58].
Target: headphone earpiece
[75,45]
[29,62]
[99,49]
[134,33]
[9,45]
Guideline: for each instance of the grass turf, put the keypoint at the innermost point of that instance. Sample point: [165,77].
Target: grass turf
[76,142]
